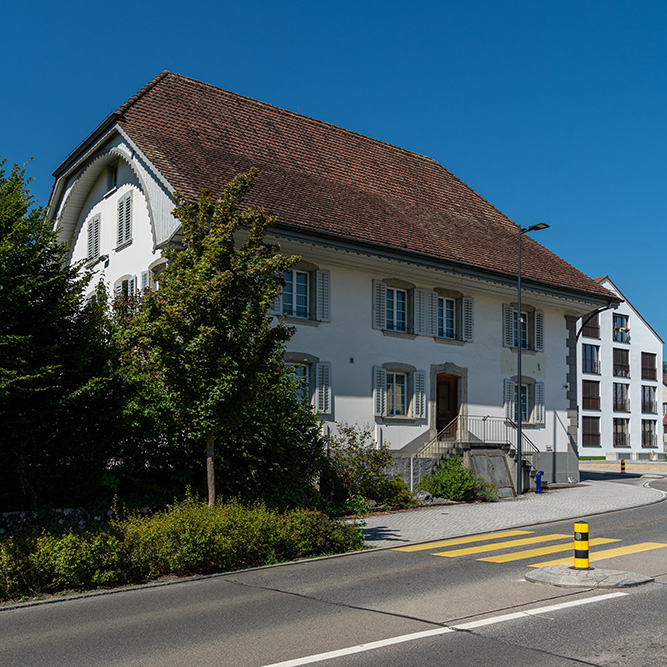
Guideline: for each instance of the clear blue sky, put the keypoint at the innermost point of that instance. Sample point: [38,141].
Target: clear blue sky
[553,111]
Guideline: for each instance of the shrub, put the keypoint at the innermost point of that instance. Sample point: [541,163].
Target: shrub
[186,538]
[454,481]
[355,472]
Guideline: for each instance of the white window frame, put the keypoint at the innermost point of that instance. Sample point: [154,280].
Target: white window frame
[446,320]
[290,306]
[392,319]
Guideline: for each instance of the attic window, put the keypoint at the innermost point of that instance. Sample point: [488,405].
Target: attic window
[112,177]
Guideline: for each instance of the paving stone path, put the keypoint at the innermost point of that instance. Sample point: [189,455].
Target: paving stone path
[445,521]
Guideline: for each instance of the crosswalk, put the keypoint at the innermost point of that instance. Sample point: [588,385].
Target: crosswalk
[511,543]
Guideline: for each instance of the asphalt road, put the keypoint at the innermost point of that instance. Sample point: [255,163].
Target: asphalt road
[475,612]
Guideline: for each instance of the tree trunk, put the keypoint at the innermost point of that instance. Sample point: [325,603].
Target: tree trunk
[210,469]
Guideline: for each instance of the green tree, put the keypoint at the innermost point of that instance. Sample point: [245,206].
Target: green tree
[47,345]
[210,359]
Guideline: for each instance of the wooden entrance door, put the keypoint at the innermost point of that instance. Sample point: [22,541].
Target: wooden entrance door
[447,400]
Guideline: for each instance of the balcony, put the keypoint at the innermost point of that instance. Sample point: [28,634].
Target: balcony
[649,440]
[621,335]
[650,407]
[621,405]
[621,440]
[591,366]
[621,371]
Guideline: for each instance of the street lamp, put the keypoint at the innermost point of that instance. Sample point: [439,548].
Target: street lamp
[519,471]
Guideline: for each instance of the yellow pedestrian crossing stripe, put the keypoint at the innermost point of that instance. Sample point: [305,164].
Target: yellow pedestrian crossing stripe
[462,540]
[607,553]
[501,545]
[481,544]
[542,551]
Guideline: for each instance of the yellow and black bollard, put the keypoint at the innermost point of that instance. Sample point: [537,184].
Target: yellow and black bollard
[581,546]
[622,465]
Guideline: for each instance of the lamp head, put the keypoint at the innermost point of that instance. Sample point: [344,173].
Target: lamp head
[535,228]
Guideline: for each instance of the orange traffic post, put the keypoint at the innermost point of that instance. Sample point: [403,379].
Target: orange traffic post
[581,559]
[622,465]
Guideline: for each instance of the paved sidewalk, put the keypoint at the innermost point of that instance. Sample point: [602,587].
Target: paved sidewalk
[445,521]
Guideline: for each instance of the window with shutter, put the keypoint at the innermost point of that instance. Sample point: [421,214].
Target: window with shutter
[323,388]
[323,296]
[379,391]
[305,295]
[419,397]
[124,234]
[467,319]
[539,411]
[531,400]
[527,329]
[125,287]
[94,238]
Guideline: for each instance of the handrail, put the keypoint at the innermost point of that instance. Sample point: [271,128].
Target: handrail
[470,429]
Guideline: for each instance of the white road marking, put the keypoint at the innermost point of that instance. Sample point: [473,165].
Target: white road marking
[360,648]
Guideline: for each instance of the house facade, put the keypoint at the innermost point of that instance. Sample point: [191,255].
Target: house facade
[620,383]
[405,297]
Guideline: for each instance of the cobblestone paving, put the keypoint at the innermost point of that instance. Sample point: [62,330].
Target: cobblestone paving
[445,521]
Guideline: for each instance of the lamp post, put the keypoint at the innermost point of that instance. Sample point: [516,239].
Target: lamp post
[519,460]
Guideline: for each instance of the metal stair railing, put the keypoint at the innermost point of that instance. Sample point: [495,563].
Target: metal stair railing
[473,430]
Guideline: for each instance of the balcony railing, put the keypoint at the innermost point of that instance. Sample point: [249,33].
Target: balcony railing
[649,440]
[649,373]
[591,403]
[621,405]
[621,335]
[621,439]
[621,371]
[650,407]
[591,366]
[591,439]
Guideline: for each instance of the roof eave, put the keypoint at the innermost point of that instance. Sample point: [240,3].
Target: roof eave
[354,245]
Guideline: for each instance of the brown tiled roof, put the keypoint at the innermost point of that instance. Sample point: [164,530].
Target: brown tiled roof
[321,178]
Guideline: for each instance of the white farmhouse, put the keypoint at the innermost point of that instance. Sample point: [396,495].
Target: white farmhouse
[620,383]
[405,299]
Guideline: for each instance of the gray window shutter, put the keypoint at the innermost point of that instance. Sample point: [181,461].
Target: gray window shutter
[276,307]
[124,219]
[145,280]
[509,399]
[467,318]
[323,296]
[379,391]
[121,222]
[539,331]
[508,326]
[432,323]
[379,305]
[94,238]
[323,387]
[539,403]
[420,313]
[131,286]
[419,400]
[118,289]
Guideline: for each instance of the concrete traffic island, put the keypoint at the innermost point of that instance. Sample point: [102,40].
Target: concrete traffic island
[569,577]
